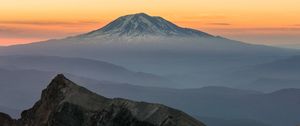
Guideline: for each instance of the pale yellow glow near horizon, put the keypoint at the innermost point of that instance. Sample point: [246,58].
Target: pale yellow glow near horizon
[221,17]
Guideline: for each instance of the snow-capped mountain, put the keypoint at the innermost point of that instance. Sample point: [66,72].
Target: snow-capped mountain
[141,24]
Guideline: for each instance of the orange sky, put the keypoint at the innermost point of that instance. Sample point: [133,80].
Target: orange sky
[256,21]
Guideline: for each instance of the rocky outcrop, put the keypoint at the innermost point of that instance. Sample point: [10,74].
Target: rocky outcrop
[6,120]
[63,103]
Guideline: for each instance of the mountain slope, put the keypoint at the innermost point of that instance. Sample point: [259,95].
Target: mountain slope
[64,103]
[6,120]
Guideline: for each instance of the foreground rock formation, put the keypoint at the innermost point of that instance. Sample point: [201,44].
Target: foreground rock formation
[63,103]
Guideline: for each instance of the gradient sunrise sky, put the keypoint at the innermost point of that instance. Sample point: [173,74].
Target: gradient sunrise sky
[272,22]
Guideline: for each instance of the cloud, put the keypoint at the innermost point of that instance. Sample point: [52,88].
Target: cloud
[219,24]
[267,34]
[49,22]
[44,29]
[270,29]
[21,32]
[201,17]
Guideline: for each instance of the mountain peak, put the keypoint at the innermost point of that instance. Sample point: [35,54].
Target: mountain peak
[139,14]
[58,79]
[58,87]
[142,24]
[62,89]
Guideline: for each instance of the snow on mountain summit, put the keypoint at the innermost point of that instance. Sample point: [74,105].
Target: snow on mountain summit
[142,24]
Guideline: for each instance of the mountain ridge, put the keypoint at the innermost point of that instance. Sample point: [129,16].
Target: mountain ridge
[63,103]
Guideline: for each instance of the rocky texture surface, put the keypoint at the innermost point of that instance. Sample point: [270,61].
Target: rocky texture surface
[63,103]
[6,120]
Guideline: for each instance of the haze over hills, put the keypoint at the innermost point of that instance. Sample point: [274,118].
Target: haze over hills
[94,69]
[140,57]
[265,77]
[271,76]
[151,44]
[276,108]
[231,122]
[216,103]
[63,103]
